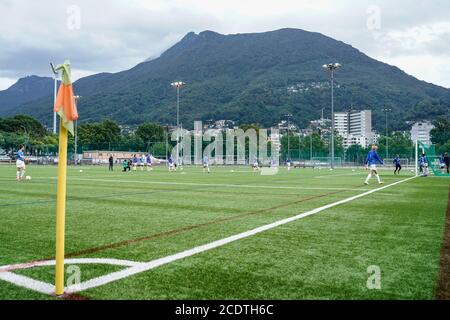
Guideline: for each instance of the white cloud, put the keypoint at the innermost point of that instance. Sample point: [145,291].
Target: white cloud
[115,35]
[7,82]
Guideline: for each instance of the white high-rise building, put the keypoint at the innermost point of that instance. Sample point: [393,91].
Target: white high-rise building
[421,131]
[355,127]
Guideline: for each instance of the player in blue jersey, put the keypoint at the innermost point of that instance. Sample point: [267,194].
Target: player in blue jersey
[371,164]
[206,164]
[20,163]
[171,164]
[398,166]
[135,161]
[423,164]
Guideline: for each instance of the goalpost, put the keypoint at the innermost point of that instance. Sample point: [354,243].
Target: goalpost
[434,160]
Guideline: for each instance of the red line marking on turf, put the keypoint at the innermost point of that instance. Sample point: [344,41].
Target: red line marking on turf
[167,233]
[73,296]
[443,285]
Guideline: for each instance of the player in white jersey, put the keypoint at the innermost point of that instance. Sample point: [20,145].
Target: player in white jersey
[20,163]
[289,164]
[206,164]
[142,162]
[255,164]
[149,161]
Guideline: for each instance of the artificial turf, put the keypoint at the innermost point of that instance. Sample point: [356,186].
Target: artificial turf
[143,216]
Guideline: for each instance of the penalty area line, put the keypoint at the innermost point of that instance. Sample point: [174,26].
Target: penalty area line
[219,185]
[145,266]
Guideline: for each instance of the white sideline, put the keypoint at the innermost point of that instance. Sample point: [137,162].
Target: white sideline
[96,282]
[138,267]
[193,184]
[27,282]
[28,265]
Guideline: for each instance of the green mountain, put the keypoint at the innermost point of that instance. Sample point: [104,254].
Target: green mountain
[251,78]
[25,90]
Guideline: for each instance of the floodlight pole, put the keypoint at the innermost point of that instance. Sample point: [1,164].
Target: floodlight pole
[288,133]
[76,135]
[178,123]
[332,67]
[386,110]
[417,158]
[55,92]
[178,85]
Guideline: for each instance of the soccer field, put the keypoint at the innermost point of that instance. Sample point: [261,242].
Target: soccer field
[144,220]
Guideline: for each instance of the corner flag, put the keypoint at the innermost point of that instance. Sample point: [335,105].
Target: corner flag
[66,108]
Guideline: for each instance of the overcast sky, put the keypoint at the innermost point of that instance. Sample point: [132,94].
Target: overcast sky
[113,35]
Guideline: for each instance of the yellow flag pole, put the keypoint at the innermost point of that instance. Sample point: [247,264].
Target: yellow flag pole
[61,210]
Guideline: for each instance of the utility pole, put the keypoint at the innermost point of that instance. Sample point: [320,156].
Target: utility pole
[177,85]
[288,116]
[332,67]
[55,92]
[76,135]
[386,110]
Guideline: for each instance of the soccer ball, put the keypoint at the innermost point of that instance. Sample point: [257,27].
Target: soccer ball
[81,170]
[28,178]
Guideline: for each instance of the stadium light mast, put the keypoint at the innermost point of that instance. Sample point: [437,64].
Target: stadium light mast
[177,85]
[288,116]
[55,92]
[75,129]
[386,111]
[332,67]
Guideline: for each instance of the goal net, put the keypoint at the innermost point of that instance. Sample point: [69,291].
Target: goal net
[435,160]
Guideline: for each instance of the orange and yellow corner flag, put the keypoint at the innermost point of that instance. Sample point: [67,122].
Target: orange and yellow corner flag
[66,108]
[65,101]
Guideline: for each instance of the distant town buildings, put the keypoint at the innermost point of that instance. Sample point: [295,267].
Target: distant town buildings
[421,131]
[219,124]
[355,127]
[284,126]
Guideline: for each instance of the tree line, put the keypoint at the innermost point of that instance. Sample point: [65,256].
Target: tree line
[152,137]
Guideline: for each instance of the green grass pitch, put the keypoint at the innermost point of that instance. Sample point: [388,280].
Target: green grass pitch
[142,216]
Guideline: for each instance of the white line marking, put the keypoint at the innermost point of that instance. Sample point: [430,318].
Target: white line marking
[139,267]
[27,282]
[212,184]
[96,282]
[28,265]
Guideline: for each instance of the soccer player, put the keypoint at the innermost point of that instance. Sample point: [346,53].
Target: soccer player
[206,164]
[171,164]
[442,162]
[371,164]
[398,166]
[142,162]
[126,165]
[149,162]
[423,163]
[111,163]
[20,163]
[289,164]
[255,164]
[447,162]
[135,162]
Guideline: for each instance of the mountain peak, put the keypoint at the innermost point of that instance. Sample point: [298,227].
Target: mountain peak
[248,78]
[209,34]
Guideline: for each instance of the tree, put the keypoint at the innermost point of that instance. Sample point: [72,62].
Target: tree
[100,133]
[23,124]
[441,133]
[150,132]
